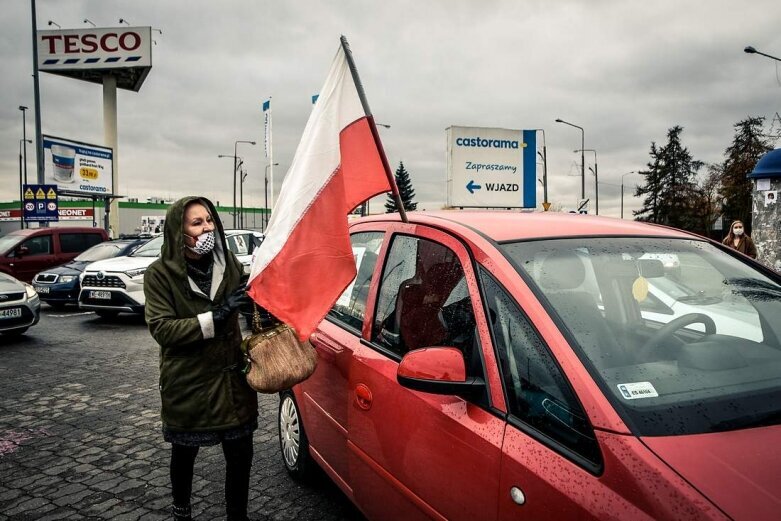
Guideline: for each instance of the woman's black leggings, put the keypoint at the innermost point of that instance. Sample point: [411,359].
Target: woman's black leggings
[238,461]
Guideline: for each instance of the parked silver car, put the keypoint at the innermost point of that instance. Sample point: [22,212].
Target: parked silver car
[20,307]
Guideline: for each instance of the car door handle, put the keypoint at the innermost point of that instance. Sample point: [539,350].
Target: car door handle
[363,397]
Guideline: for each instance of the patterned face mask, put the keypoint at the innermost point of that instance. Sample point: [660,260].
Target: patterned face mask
[204,243]
[738,231]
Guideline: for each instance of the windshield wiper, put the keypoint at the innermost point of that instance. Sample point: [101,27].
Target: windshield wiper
[749,421]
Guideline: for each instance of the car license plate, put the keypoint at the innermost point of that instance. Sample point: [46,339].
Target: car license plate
[11,313]
[42,289]
[102,295]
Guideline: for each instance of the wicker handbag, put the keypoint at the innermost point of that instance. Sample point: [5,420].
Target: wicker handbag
[276,359]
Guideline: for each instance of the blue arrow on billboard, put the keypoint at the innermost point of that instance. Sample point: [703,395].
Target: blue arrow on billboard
[471,186]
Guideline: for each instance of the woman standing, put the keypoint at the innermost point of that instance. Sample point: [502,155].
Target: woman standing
[192,294]
[737,239]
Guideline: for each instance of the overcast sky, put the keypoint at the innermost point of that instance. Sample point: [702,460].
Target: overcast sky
[625,71]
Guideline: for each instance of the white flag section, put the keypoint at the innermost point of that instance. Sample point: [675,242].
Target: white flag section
[306,260]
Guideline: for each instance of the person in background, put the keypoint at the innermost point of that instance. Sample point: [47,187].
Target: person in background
[738,239]
[193,292]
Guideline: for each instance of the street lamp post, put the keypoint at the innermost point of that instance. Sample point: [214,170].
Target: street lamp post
[750,50]
[21,182]
[24,139]
[596,178]
[544,170]
[235,159]
[582,156]
[622,191]
[265,194]
[235,166]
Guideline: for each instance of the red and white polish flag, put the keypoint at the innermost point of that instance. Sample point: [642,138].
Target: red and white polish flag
[306,260]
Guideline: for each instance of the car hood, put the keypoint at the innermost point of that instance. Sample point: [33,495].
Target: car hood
[739,471]
[8,285]
[71,268]
[121,264]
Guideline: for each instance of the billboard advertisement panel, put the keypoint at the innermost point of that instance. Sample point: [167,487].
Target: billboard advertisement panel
[78,167]
[491,167]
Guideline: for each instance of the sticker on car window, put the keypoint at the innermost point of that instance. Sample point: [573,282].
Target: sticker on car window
[640,289]
[636,390]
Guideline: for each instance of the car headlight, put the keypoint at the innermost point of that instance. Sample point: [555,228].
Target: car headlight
[135,273]
[30,291]
[67,278]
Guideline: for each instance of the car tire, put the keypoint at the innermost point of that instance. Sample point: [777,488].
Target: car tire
[293,443]
[103,313]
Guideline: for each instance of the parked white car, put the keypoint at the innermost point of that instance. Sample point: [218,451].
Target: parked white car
[732,314]
[116,285]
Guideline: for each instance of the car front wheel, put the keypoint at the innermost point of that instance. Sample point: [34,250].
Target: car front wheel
[293,442]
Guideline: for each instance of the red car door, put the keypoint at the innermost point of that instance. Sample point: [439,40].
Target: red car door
[415,455]
[38,255]
[323,397]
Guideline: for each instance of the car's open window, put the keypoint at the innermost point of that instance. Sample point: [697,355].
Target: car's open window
[350,307]
[537,392]
[424,301]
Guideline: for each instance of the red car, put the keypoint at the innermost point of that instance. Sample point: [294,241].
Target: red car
[497,366]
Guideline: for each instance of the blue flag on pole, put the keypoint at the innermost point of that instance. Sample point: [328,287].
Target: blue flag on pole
[266,105]
[314,98]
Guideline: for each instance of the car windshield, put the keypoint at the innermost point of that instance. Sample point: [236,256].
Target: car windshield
[8,242]
[687,349]
[150,249]
[104,250]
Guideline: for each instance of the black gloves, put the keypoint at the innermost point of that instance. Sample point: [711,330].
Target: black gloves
[232,302]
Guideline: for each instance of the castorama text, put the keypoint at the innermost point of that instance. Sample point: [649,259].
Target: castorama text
[486,143]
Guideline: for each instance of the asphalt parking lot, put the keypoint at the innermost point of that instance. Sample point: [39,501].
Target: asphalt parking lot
[80,433]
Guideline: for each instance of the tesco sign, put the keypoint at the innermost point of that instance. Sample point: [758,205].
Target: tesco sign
[94,48]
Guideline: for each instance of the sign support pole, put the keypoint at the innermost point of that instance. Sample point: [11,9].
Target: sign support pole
[110,138]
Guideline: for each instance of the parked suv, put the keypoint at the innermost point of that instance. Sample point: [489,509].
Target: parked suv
[23,253]
[60,286]
[116,285]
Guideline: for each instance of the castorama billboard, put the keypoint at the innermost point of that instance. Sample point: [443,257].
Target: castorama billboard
[491,167]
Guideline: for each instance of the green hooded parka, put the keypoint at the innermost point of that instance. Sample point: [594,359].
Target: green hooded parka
[201,385]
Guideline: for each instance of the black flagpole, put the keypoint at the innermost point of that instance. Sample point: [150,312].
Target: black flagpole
[362,95]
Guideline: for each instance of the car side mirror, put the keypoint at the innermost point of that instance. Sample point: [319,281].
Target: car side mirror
[437,370]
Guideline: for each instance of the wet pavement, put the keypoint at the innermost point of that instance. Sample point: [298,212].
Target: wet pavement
[80,433]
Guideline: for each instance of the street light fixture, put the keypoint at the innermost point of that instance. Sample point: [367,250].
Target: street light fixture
[622,190]
[582,156]
[750,50]
[596,178]
[544,156]
[265,194]
[124,21]
[51,22]
[88,21]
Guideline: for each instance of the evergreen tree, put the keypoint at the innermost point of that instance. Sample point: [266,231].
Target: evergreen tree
[406,192]
[672,195]
[748,145]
